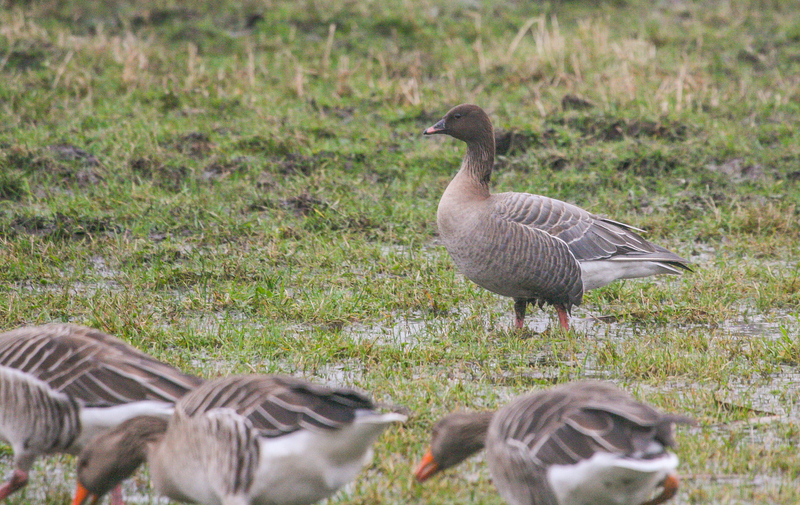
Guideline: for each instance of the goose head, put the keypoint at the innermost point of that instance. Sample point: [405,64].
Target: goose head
[455,438]
[465,122]
[113,456]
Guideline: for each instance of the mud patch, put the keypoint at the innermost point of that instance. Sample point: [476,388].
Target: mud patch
[737,170]
[62,226]
[270,146]
[193,144]
[575,102]
[70,164]
[511,142]
[28,54]
[303,204]
[164,175]
[651,163]
[68,152]
[295,164]
[613,129]
[343,113]
[157,17]
[219,170]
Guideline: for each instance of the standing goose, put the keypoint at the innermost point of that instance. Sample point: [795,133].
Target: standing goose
[532,248]
[242,440]
[61,384]
[586,443]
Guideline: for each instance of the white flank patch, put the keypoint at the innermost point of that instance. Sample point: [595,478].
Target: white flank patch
[609,479]
[307,466]
[95,420]
[596,274]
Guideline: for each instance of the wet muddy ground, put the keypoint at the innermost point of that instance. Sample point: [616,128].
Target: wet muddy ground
[243,187]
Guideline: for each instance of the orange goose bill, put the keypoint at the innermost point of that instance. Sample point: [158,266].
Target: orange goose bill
[62,384]
[586,442]
[427,467]
[242,439]
[532,248]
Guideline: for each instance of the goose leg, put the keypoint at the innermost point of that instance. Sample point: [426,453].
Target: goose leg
[670,486]
[18,480]
[563,317]
[116,495]
[520,305]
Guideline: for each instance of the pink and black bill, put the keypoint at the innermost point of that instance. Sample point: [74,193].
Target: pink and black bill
[437,128]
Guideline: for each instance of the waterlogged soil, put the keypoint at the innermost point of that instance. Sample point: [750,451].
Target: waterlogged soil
[246,189]
[765,405]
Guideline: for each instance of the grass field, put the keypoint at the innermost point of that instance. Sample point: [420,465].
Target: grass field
[243,187]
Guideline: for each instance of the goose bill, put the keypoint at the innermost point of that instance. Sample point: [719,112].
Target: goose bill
[670,487]
[84,497]
[426,468]
[437,128]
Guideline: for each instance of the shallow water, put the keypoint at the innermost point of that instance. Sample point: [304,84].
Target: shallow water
[767,403]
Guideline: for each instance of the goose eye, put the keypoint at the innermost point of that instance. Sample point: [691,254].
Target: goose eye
[457,116]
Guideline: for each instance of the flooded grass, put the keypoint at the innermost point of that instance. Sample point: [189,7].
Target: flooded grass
[241,188]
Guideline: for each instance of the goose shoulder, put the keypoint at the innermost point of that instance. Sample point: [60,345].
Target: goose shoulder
[34,418]
[212,453]
[92,366]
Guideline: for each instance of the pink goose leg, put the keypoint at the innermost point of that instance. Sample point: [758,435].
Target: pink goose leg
[18,480]
[563,317]
[116,495]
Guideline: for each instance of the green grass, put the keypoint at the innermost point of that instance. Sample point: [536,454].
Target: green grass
[243,187]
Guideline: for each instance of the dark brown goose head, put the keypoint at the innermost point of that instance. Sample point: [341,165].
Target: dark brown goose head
[113,456]
[465,122]
[455,438]
[470,123]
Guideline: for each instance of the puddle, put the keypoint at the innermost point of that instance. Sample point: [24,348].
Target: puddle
[771,325]
[398,330]
[99,269]
[768,403]
[771,397]
[337,374]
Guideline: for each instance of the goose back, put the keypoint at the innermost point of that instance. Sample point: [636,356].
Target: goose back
[277,405]
[92,366]
[213,453]
[567,426]
[588,236]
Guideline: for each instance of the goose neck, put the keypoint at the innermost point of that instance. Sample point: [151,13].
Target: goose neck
[478,163]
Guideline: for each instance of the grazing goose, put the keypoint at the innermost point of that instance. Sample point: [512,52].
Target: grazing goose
[61,384]
[532,248]
[242,440]
[586,443]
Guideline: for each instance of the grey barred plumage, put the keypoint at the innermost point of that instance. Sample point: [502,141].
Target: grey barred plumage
[34,418]
[532,248]
[60,384]
[222,446]
[564,446]
[250,439]
[92,366]
[567,424]
[277,405]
